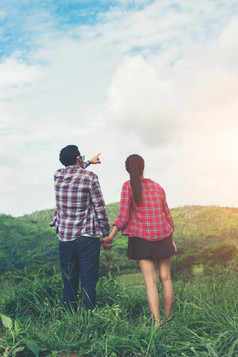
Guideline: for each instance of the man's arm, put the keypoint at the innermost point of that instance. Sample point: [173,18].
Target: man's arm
[94,160]
[99,206]
[53,222]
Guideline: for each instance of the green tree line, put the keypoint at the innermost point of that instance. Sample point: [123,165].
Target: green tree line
[206,235]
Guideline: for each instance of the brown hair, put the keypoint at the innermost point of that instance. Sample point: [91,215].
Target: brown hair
[135,167]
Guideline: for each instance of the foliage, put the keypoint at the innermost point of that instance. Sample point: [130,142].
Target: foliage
[221,254]
[115,262]
[200,232]
[198,226]
[34,299]
[15,340]
[204,321]
[25,240]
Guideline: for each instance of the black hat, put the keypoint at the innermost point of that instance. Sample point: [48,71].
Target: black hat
[68,155]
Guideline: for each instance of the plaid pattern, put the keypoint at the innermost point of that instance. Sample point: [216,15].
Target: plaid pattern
[80,207]
[152,219]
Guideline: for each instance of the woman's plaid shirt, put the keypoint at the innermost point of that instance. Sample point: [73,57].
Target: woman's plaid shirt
[80,207]
[151,220]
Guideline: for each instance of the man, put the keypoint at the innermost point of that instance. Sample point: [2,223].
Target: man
[79,220]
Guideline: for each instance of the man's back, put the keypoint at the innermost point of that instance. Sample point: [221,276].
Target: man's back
[80,208]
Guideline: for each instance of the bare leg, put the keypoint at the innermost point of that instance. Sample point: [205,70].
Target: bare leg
[148,270]
[167,285]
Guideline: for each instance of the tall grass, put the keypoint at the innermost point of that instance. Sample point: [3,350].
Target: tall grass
[204,320]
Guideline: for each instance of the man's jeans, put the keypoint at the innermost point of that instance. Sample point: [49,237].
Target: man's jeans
[80,258]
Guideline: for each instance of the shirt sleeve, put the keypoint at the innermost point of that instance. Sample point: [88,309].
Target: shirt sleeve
[167,213]
[124,211]
[100,207]
[86,164]
[53,222]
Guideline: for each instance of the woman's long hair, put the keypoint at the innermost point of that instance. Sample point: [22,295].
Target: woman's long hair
[135,167]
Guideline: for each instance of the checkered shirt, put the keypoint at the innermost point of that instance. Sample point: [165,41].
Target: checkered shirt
[80,207]
[151,220]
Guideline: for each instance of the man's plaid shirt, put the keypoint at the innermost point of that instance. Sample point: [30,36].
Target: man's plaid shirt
[151,220]
[80,207]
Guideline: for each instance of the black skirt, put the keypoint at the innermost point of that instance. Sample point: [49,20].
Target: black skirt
[139,248]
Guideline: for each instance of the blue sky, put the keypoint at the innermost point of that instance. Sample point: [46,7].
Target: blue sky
[23,21]
[154,77]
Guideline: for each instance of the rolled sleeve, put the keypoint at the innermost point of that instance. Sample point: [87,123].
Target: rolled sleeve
[53,222]
[86,164]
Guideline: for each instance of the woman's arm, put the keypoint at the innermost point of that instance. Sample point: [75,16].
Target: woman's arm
[106,242]
[125,206]
[111,236]
[167,213]
[122,217]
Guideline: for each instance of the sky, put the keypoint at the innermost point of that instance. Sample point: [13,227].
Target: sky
[154,77]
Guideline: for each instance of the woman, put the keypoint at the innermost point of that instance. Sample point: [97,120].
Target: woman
[145,218]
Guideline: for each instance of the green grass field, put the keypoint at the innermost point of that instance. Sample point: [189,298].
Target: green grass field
[204,320]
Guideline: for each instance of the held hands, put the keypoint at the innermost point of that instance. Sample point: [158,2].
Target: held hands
[106,243]
[95,159]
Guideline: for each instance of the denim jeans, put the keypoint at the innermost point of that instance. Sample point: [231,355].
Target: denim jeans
[80,259]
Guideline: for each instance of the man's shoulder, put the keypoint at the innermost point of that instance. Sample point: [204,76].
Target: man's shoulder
[75,171]
[59,172]
[90,174]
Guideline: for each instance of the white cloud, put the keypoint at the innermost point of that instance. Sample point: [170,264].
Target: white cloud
[14,74]
[191,111]
[141,100]
[159,79]
[229,44]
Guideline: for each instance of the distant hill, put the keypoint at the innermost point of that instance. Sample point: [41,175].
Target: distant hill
[198,226]
[28,240]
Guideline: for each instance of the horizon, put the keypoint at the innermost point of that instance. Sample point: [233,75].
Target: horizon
[111,203]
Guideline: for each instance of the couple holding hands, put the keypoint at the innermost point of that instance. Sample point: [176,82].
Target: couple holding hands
[80,220]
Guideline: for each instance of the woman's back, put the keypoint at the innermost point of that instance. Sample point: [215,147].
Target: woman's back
[151,219]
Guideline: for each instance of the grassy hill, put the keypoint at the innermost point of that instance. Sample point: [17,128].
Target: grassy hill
[200,232]
[203,225]
[204,319]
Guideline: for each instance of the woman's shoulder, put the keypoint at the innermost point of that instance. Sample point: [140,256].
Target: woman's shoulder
[152,184]
[126,184]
